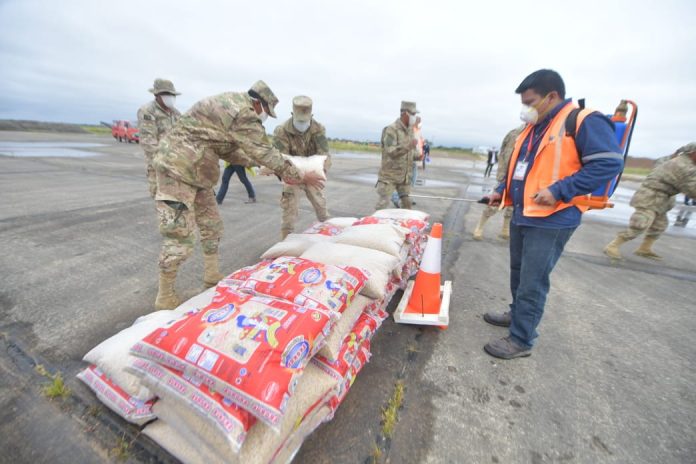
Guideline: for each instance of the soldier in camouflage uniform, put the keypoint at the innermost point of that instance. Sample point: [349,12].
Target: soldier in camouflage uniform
[655,198]
[155,119]
[301,135]
[398,153]
[228,127]
[505,151]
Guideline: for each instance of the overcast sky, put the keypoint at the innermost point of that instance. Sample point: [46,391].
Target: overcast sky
[91,60]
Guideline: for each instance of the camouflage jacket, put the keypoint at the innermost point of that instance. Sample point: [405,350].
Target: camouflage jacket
[506,149]
[223,127]
[153,123]
[397,153]
[657,192]
[289,140]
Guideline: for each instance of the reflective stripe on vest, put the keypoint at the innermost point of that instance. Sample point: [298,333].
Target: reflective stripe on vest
[557,157]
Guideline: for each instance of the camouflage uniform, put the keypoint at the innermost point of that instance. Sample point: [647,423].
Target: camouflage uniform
[223,127]
[154,122]
[398,153]
[287,139]
[506,149]
[655,197]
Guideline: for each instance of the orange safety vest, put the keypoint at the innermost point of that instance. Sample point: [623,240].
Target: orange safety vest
[557,157]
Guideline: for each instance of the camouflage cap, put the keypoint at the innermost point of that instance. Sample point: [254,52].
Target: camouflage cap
[687,149]
[163,86]
[302,108]
[261,91]
[409,106]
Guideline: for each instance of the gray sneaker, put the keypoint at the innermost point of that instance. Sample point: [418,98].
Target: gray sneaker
[499,319]
[505,348]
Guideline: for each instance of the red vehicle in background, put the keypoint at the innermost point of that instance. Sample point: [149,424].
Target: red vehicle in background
[125,131]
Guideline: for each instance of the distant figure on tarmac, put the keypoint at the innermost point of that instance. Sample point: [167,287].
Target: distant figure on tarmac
[545,174]
[155,119]
[490,162]
[227,126]
[398,152]
[301,135]
[426,153]
[230,170]
[505,151]
[654,198]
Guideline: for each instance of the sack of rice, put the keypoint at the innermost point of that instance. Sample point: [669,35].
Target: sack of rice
[308,164]
[343,327]
[307,283]
[294,245]
[263,444]
[379,265]
[204,410]
[238,277]
[402,214]
[388,238]
[341,222]
[415,226]
[323,228]
[250,349]
[115,398]
[361,358]
[112,356]
[183,446]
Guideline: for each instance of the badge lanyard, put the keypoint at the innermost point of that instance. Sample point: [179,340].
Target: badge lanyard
[521,166]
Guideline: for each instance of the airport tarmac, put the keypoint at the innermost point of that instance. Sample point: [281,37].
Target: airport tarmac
[611,379]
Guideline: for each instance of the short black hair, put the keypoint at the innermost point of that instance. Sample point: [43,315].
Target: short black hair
[543,82]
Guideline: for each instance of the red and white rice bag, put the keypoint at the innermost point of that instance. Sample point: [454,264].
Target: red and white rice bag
[250,349]
[115,398]
[307,283]
[196,404]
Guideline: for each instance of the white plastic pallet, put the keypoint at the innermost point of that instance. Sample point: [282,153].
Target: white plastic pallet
[440,319]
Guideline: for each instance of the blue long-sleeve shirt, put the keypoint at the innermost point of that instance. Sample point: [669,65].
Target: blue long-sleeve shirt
[601,161]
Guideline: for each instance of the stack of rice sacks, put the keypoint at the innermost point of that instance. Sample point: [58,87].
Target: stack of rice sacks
[246,370]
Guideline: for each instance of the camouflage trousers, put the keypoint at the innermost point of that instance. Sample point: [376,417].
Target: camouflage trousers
[178,225]
[289,202]
[645,220]
[491,211]
[385,189]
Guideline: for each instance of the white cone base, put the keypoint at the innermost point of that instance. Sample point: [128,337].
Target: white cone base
[440,319]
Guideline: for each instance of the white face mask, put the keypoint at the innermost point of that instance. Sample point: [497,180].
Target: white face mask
[262,115]
[529,114]
[169,101]
[301,126]
[412,119]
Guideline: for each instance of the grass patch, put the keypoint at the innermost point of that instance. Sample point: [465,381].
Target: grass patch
[390,414]
[347,145]
[637,171]
[121,451]
[376,455]
[56,388]
[97,130]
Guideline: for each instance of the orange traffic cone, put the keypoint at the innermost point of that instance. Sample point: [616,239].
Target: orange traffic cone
[425,297]
[425,301]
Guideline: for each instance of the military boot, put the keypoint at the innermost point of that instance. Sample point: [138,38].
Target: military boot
[478,232]
[645,249]
[211,274]
[505,231]
[166,296]
[612,250]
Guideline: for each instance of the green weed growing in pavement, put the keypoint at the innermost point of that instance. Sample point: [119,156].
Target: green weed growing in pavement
[390,413]
[56,388]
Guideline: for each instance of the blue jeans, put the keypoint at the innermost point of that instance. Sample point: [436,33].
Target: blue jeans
[227,175]
[533,254]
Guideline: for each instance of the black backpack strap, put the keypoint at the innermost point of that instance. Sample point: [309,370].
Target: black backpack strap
[571,121]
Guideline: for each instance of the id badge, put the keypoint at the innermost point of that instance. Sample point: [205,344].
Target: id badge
[520,170]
